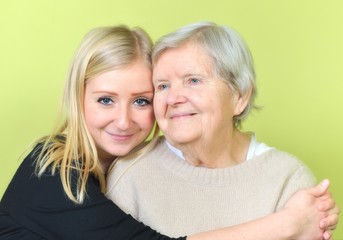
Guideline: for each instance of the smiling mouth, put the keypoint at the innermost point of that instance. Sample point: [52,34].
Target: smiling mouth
[120,137]
[182,115]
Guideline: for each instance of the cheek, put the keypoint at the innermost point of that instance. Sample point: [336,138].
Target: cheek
[96,119]
[92,122]
[89,116]
[211,100]
[159,107]
[150,120]
[146,120]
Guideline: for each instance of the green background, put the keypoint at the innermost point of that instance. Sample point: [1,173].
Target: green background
[297,48]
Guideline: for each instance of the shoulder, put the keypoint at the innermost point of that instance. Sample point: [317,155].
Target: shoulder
[277,157]
[159,149]
[27,187]
[284,164]
[288,171]
[27,166]
[129,170]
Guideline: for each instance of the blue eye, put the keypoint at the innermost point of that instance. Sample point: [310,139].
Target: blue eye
[142,102]
[105,101]
[162,86]
[194,81]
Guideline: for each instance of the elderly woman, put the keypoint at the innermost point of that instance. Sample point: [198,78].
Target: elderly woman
[204,169]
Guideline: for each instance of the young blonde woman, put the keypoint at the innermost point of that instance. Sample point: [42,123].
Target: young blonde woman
[58,191]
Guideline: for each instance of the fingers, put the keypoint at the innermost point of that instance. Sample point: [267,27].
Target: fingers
[327,203]
[320,189]
[331,212]
[327,235]
[329,222]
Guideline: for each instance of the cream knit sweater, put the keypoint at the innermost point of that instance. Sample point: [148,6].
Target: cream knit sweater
[175,198]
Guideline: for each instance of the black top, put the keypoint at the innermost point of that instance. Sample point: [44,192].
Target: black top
[38,208]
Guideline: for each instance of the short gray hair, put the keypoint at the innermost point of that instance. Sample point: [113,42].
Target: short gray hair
[231,56]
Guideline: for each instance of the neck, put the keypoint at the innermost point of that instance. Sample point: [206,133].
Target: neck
[219,153]
[106,165]
[106,160]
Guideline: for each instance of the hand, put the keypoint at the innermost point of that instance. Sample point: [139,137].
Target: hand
[313,213]
[331,210]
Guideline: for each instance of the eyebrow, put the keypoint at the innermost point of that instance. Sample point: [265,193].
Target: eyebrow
[114,93]
[186,75]
[193,75]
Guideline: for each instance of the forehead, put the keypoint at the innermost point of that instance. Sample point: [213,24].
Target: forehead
[187,58]
[134,77]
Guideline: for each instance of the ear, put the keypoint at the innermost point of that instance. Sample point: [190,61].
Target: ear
[241,102]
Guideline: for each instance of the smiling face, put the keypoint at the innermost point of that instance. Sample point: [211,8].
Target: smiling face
[190,103]
[118,109]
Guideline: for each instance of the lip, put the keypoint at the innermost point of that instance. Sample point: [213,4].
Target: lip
[181,115]
[120,137]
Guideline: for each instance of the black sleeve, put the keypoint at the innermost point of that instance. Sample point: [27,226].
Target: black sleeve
[39,206]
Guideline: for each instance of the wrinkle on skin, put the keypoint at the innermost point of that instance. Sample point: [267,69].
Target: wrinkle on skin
[204,131]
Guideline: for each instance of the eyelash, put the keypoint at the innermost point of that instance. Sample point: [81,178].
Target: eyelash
[194,81]
[102,99]
[106,101]
[144,99]
[162,86]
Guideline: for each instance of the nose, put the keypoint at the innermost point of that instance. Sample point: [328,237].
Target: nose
[123,118]
[176,94]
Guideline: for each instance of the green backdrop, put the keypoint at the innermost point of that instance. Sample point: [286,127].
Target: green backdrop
[297,48]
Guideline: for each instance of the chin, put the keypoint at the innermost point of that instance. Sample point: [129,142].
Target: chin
[120,153]
[177,139]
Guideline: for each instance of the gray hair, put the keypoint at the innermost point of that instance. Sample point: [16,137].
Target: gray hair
[231,56]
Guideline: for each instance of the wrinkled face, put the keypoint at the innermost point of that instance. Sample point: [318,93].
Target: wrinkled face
[118,109]
[190,103]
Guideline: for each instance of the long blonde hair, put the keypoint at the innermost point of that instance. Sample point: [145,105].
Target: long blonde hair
[70,148]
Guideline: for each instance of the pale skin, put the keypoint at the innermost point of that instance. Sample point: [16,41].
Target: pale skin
[119,116]
[193,108]
[118,110]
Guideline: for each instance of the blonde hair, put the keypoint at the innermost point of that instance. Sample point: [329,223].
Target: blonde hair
[70,148]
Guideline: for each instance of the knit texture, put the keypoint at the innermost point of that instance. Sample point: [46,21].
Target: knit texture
[177,198]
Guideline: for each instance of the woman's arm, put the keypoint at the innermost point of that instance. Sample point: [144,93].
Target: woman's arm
[304,217]
[40,207]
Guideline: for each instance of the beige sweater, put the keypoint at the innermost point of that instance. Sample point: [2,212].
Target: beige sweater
[176,198]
